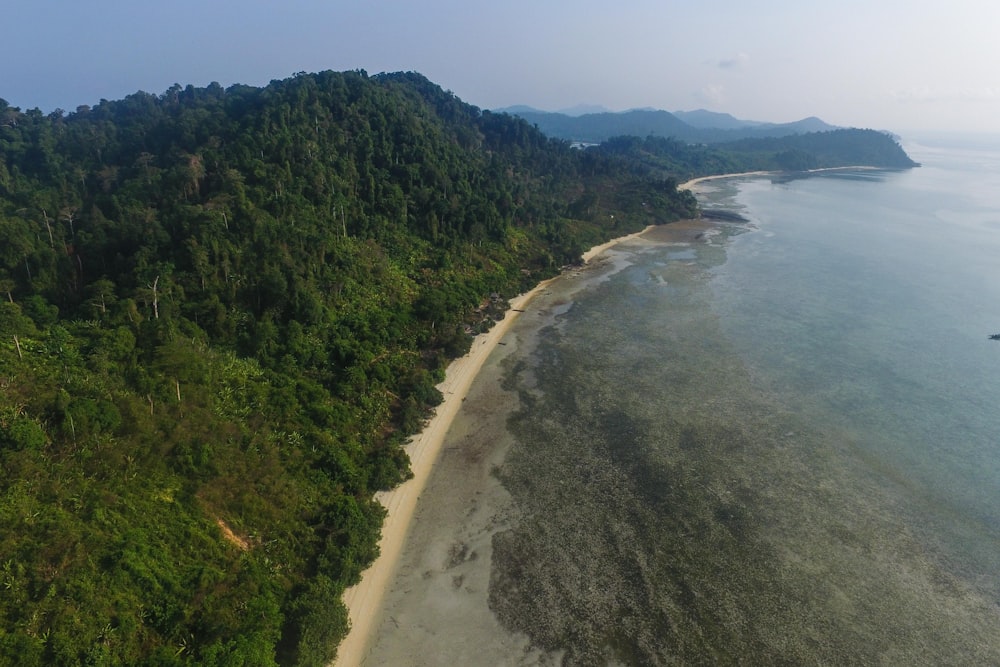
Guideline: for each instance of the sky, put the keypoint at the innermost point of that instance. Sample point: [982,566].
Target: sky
[899,65]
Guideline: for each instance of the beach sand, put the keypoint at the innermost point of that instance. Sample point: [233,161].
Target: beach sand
[687,185]
[425,601]
[435,608]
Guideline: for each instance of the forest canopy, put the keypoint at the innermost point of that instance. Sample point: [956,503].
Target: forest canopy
[222,313]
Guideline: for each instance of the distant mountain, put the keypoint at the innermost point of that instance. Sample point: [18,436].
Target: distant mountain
[595,128]
[518,109]
[578,110]
[705,119]
[810,124]
[699,126]
[584,109]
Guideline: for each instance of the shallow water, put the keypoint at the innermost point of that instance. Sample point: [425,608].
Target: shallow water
[776,445]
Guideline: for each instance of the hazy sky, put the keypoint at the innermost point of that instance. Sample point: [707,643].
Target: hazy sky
[889,64]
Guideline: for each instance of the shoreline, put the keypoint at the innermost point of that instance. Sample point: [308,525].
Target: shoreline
[364,599]
[598,249]
[687,185]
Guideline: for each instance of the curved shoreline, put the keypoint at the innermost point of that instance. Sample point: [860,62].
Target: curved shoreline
[364,599]
[598,249]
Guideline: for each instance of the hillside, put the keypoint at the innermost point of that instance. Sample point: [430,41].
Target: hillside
[223,311]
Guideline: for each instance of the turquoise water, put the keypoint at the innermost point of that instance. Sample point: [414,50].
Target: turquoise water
[866,300]
[779,444]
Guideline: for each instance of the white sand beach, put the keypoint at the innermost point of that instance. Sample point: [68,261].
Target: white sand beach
[687,185]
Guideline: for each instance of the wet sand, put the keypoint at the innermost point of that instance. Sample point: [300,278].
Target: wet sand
[365,600]
[435,610]
[456,491]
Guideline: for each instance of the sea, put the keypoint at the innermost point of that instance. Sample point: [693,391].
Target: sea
[774,441]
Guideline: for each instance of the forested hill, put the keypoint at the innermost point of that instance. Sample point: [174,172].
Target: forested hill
[221,313]
[795,153]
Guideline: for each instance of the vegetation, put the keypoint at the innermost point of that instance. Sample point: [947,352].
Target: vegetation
[222,312]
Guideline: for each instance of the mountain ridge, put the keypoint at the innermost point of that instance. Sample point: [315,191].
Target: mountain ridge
[700,126]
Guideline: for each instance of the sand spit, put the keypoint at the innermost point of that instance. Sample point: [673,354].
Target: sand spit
[687,185]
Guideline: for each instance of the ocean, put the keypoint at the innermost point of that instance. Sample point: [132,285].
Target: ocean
[767,442]
[777,443]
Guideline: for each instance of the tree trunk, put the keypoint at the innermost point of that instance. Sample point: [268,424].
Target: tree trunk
[156,299]
[49,228]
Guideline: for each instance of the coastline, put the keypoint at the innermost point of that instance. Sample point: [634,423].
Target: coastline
[687,185]
[364,600]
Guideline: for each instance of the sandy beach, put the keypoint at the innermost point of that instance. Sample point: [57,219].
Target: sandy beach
[366,601]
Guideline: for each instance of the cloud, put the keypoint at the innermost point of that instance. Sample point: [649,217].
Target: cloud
[735,62]
[713,94]
[930,95]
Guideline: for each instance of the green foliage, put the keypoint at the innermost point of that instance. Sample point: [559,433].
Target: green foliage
[20,432]
[319,621]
